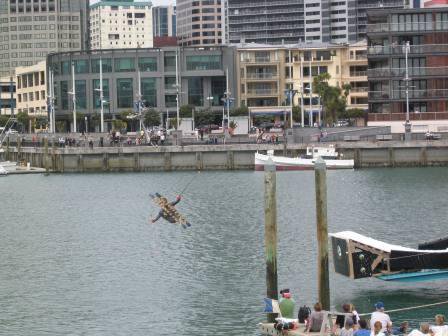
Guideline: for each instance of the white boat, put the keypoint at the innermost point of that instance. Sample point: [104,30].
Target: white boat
[6,164]
[3,171]
[328,154]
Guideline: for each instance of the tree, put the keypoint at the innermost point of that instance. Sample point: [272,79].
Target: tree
[41,122]
[240,111]
[119,124]
[206,117]
[355,113]
[296,114]
[186,111]
[3,120]
[23,118]
[152,118]
[333,104]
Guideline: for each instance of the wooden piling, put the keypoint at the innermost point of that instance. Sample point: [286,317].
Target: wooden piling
[322,232]
[270,233]
[46,155]
[19,148]
[8,153]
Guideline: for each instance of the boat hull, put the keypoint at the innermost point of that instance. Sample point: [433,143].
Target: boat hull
[285,163]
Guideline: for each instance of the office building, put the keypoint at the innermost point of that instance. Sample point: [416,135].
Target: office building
[164,21]
[200,22]
[202,80]
[31,29]
[7,95]
[121,24]
[426,30]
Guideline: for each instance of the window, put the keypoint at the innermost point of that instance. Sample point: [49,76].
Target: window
[81,98]
[218,89]
[195,91]
[65,68]
[125,93]
[96,94]
[124,64]
[170,101]
[149,91]
[170,83]
[81,66]
[106,64]
[147,63]
[209,62]
[170,62]
[64,95]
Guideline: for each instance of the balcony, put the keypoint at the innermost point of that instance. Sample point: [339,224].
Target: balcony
[413,116]
[358,73]
[243,20]
[256,28]
[261,76]
[265,4]
[413,49]
[413,72]
[359,90]
[413,94]
[382,4]
[408,27]
[262,92]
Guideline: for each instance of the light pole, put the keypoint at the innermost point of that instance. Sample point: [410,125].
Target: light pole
[85,119]
[407,124]
[302,120]
[177,90]
[291,93]
[73,94]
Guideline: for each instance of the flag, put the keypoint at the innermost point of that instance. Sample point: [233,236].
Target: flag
[271,306]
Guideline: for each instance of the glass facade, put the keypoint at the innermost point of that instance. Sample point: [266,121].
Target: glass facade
[64,95]
[107,65]
[169,62]
[82,66]
[124,64]
[147,63]
[125,93]
[170,101]
[96,94]
[65,68]
[207,62]
[195,91]
[81,94]
[170,83]
[218,89]
[149,91]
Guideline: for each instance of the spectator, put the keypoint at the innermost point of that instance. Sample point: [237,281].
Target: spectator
[380,316]
[377,329]
[316,318]
[362,331]
[287,304]
[424,330]
[440,329]
[403,329]
[340,319]
[348,328]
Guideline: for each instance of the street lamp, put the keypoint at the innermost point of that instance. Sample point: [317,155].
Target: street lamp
[407,124]
[291,93]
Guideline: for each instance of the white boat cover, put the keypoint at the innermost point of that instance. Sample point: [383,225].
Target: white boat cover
[377,244]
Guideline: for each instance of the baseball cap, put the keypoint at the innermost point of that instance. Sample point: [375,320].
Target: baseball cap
[379,305]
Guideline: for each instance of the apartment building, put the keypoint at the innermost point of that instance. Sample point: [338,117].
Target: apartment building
[7,95]
[121,24]
[295,21]
[267,73]
[200,22]
[202,73]
[31,89]
[164,21]
[426,31]
[31,29]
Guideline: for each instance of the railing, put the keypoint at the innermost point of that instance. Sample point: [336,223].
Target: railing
[407,26]
[412,115]
[257,29]
[381,4]
[413,94]
[238,20]
[359,89]
[413,72]
[358,73]
[358,57]
[264,4]
[258,92]
[261,75]
[413,49]
[292,9]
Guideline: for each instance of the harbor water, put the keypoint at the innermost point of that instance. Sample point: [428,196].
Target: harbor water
[79,257]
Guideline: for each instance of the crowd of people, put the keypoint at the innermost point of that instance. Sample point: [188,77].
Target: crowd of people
[350,323]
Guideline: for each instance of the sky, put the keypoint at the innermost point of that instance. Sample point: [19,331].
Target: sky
[154,2]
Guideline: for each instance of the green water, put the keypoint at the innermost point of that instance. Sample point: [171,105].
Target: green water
[78,256]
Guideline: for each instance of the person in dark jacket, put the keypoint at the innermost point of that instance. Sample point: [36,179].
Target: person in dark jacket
[168,212]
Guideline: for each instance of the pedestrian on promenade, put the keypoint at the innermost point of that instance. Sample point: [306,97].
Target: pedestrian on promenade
[162,138]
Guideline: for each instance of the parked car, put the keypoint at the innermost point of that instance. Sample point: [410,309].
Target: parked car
[342,123]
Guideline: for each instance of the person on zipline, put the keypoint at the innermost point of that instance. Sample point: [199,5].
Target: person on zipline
[168,212]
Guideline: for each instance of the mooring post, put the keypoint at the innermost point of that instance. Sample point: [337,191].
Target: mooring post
[270,233]
[320,170]
[46,155]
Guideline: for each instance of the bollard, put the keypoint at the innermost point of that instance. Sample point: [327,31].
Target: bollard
[320,169]
[270,233]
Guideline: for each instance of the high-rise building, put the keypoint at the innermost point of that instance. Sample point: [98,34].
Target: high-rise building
[7,95]
[423,92]
[31,29]
[121,24]
[293,21]
[200,22]
[164,21]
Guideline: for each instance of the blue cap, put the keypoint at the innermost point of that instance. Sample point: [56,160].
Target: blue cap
[379,305]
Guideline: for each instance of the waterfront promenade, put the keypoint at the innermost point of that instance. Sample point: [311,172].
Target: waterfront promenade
[236,156]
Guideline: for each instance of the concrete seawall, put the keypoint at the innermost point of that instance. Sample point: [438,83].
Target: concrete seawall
[221,157]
